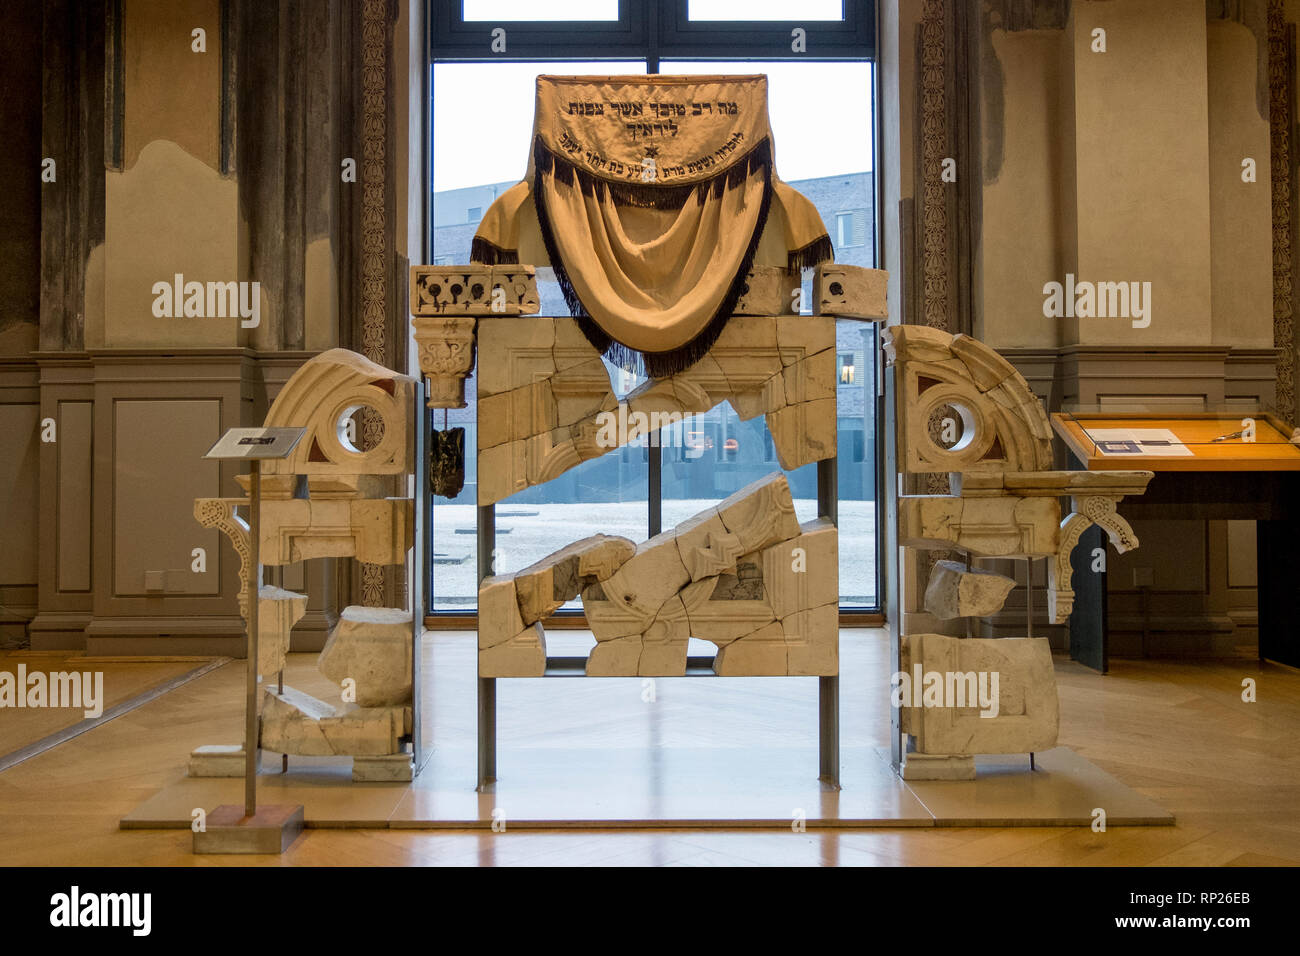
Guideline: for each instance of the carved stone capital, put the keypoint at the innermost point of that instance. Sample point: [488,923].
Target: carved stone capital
[445,345]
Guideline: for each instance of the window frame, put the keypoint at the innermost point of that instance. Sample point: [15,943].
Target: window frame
[650,31]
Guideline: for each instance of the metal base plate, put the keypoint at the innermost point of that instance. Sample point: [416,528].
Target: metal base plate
[272,829]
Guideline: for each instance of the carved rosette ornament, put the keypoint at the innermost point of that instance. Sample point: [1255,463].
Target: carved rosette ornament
[446,354]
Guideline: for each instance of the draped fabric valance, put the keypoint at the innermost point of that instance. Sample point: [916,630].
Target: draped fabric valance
[652,197]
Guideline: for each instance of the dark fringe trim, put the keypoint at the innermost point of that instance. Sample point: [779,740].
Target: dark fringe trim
[648,195]
[818,251]
[487,253]
[674,361]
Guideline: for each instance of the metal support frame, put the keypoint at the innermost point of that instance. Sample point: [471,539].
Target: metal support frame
[417,570]
[828,688]
[252,739]
[487,686]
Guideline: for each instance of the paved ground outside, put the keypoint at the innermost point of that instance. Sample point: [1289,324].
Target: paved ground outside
[528,533]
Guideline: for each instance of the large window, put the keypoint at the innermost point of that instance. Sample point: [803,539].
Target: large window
[822,119]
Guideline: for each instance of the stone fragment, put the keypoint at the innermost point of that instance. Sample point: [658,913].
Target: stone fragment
[768,290]
[1023,712]
[761,513]
[372,530]
[651,576]
[811,378]
[706,547]
[803,572]
[992,527]
[544,586]
[767,398]
[803,433]
[499,619]
[760,654]
[524,655]
[372,646]
[812,641]
[956,592]
[473,289]
[850,291]
[386,768]
[516,415]
[278,611]
[296,723]
[665,641]
[217,760]
[615,658]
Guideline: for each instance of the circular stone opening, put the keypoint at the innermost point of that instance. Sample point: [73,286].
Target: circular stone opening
[351,427]
[951,426]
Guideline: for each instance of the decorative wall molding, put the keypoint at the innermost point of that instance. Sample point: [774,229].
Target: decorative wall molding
[934,140]
[374,229]
[1281,63]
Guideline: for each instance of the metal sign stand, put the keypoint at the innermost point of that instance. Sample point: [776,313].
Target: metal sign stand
[271,828]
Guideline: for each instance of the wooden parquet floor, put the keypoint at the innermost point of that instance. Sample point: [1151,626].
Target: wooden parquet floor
[1176,731]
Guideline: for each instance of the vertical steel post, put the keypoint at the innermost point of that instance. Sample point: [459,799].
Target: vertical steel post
[828,688]
[252,749]
[487,686]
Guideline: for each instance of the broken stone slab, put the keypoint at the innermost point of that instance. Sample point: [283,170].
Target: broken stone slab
[812,641]
[651,576]
[768,290]
[990,527]
[803,572]
[543,586]
[499,619]
[385,768]
[524,655]
[811,379]
[297,723]
[706,547]
[278,611]
[955,592]
[1027,717]
[473,289]
[615,658]
[850,292]
[760,654]
[761,513]
[372,647]
[803,433]
[217,760]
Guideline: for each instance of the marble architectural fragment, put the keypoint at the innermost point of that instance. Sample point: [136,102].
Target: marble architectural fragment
[955,591]
[383,768]
[372,530]
[278,611]
[545,585]
[986,695]
[851,292]
[743,575]
[473,290]
[371,646]
[1009,526]
[217,760]
[296,723]
[546,403]
[523,655]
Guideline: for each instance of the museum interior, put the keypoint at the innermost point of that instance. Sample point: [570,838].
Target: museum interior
[746,432]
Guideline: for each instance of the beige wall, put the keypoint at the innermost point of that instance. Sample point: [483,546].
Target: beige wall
[1142,164]
[1022,214]
[1241,235]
